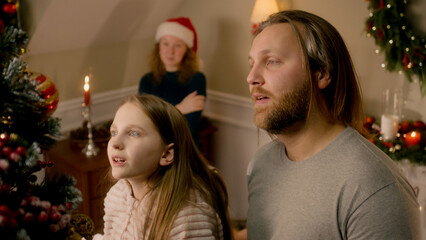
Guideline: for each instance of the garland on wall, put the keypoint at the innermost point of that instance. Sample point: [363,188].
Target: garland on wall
[404,49]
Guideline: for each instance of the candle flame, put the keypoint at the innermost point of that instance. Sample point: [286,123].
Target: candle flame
[86,83]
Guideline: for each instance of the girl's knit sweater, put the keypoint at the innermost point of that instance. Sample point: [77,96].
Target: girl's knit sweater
[125,217]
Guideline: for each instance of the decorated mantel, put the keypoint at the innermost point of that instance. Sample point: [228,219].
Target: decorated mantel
[404,140]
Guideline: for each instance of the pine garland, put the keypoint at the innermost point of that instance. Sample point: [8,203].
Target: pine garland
[397,148]
[404,48]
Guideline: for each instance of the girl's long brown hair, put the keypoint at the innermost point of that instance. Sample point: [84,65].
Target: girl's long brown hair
[188,67]
[173,184]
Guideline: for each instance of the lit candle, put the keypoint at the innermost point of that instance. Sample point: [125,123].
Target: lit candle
[412,139]
[86,91]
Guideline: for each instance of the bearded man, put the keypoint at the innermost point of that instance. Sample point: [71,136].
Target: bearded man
[320,178]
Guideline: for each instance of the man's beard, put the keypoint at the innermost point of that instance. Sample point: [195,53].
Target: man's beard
[291,108]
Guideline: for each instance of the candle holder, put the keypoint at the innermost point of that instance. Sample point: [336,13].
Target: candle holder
[391,113]
[90,150]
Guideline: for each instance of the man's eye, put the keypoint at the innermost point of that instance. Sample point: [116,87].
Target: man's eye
[272,62]
[251,64]
[134,134]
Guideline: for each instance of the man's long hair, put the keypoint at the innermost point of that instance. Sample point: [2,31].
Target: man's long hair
[325,51]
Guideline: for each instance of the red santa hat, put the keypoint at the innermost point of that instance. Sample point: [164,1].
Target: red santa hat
[180,27]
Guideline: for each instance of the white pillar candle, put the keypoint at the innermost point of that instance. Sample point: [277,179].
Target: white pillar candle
[389,127]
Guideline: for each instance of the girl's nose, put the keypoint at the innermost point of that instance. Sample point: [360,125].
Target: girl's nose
[172,49]
[116,143]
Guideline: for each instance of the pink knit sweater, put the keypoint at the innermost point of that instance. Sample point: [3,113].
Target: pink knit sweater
[125,218]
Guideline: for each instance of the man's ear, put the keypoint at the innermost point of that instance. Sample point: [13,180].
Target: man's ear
[323,78]
[168,155]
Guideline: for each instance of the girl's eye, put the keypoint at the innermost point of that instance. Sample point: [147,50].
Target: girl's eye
[134,133]
[113,133]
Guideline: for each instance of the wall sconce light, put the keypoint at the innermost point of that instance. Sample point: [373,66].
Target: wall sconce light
[261,10]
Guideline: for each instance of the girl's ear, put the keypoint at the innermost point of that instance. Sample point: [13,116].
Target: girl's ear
[168,155]
[323,78]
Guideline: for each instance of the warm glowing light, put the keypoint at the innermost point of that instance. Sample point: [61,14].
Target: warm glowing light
[262,9]
[86,83]
[412,139]
[86,90]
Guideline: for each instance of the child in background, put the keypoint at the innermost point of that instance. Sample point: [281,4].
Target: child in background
[175,75]
[165,188]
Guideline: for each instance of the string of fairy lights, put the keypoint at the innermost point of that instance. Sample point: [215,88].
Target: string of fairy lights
[404,47]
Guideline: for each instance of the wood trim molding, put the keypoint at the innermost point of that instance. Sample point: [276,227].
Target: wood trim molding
[222,107]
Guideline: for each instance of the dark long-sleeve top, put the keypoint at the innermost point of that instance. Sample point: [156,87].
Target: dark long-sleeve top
[173,91]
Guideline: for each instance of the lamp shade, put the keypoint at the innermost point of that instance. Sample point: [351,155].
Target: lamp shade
[262,9]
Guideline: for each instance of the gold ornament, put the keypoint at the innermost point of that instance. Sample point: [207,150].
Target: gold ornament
[83,225]
[47,90]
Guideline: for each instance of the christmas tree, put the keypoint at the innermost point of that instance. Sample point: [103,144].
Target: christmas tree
[33,205]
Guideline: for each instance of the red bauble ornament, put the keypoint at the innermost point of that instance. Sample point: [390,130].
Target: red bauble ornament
[48,92]
[405,126]
[68,205]
[42,217]
[4,137]
[7,151]
[14,157]
[20,150]
[28,217]
[9,8]
[419,125]
[55,216]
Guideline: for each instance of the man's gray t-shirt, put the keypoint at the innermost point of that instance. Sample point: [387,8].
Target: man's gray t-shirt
[349,190]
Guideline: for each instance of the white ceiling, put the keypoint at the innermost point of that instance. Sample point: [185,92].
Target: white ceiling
[73,24]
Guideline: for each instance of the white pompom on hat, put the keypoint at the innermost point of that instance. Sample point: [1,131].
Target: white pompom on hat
[180,27]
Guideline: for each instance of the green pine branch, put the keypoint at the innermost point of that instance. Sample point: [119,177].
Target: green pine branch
[404,50]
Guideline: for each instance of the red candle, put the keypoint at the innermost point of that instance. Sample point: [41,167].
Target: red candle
[86,91]
[412,139]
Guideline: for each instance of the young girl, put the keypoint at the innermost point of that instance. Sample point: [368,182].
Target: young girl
[165,188]
[174,74]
